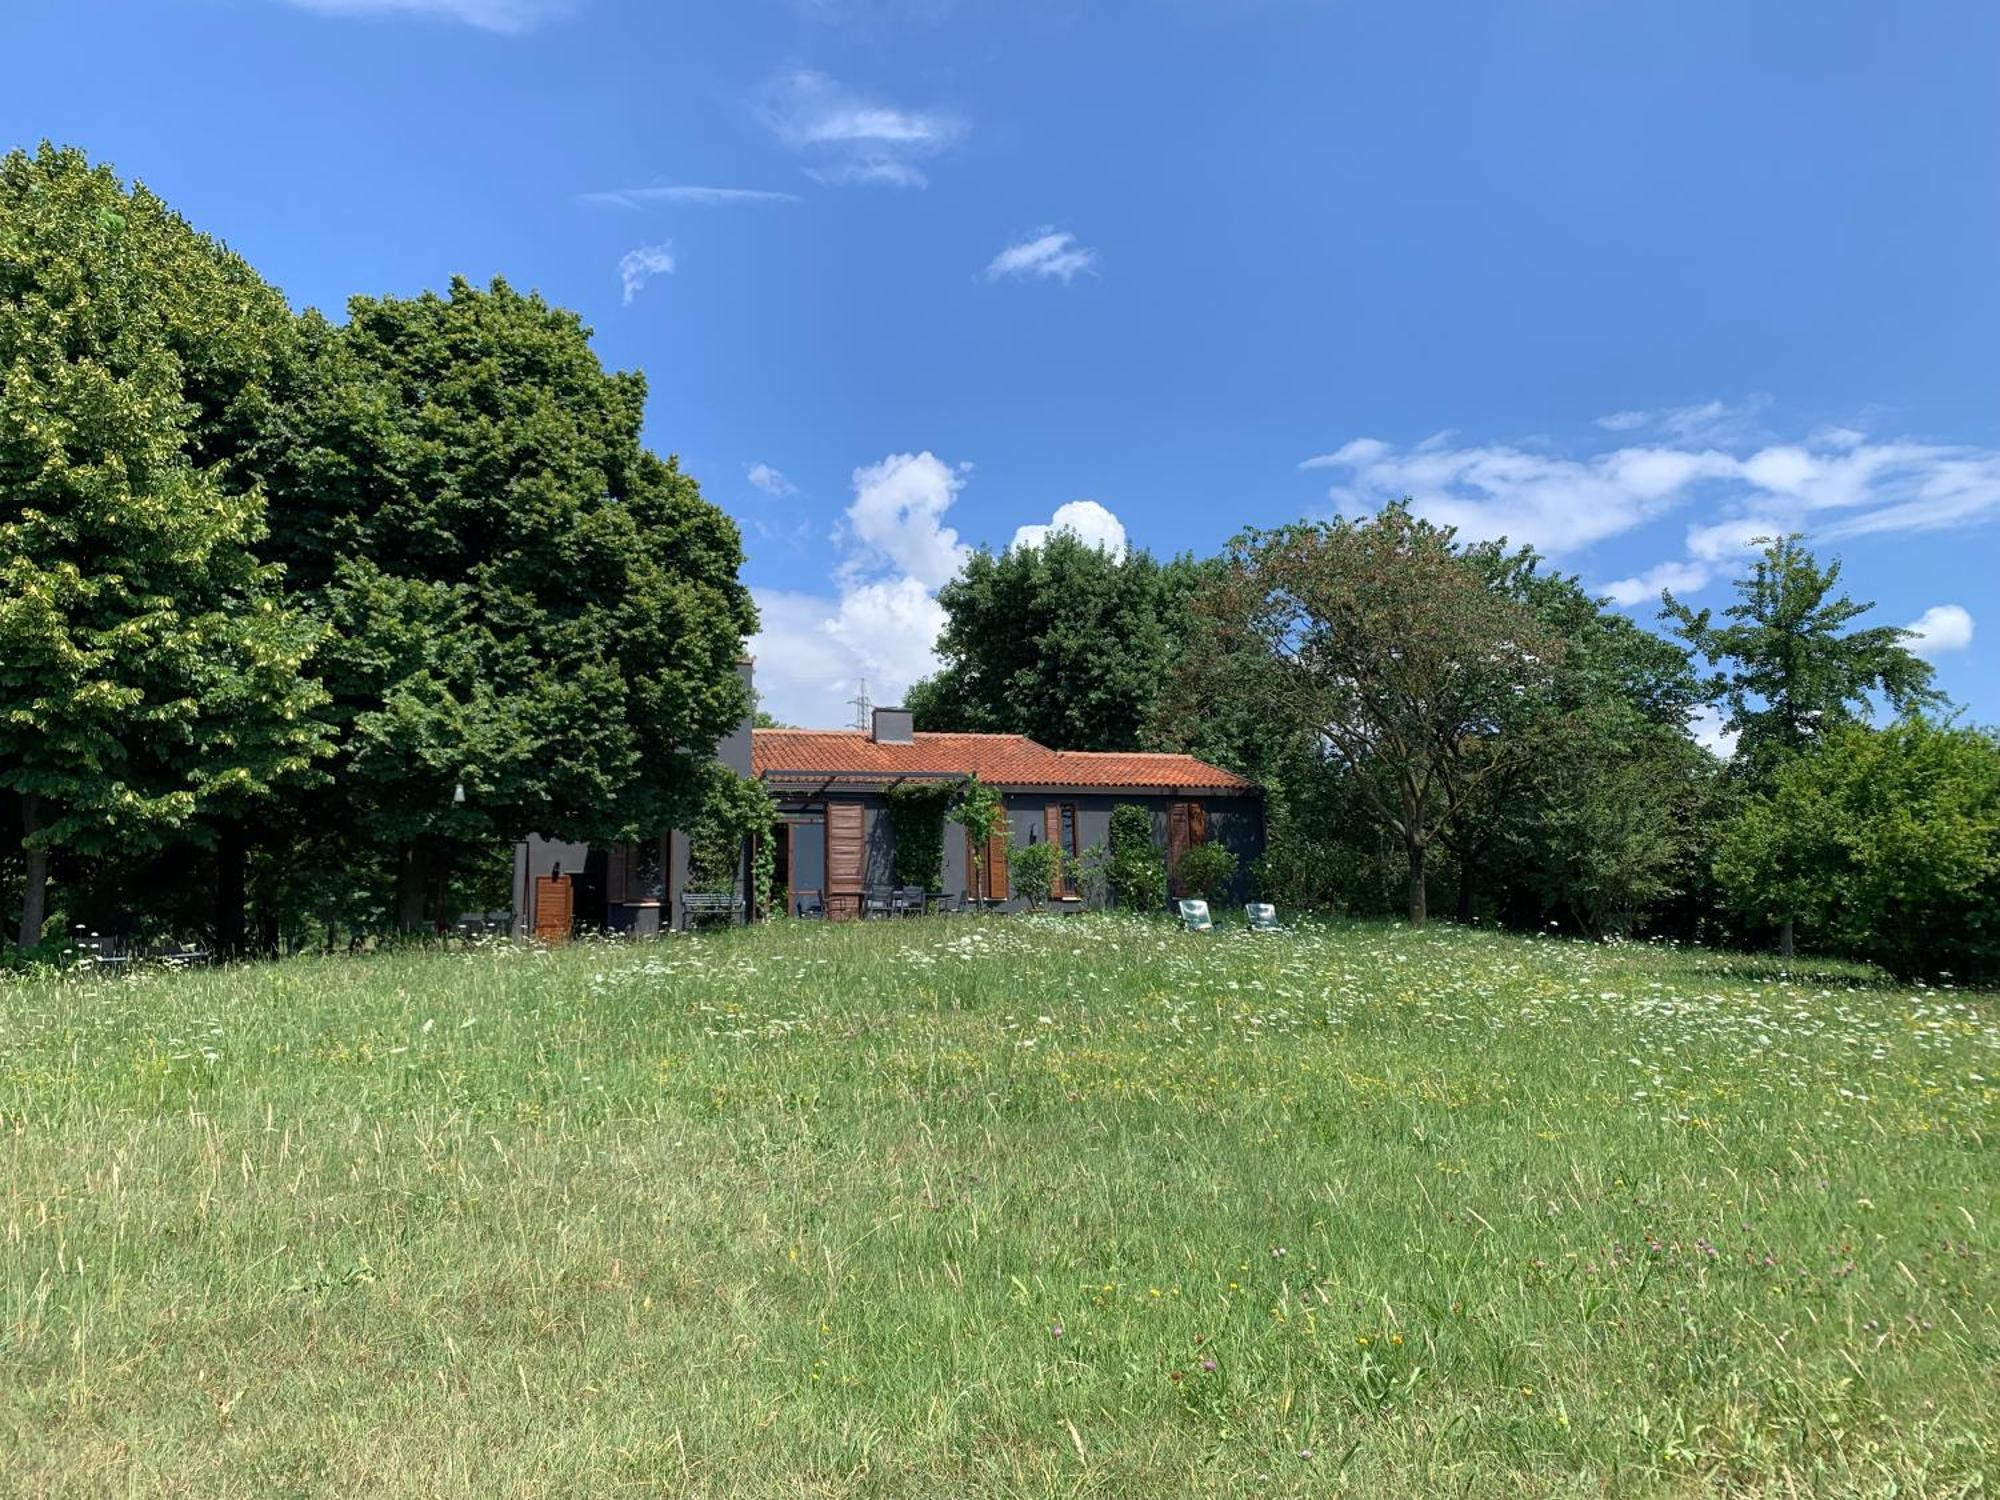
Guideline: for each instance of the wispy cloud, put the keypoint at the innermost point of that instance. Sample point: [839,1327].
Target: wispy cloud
[770,481]
[684,195]
[1941,628]
[641,265]
[852,139]
[1713,421]
[506,16]
[1745,484]
[1554,502]
[1049,253]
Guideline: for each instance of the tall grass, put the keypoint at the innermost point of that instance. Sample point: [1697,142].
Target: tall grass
[1018,1207]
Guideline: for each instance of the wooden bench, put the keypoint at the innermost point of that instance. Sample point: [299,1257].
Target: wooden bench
[700,906]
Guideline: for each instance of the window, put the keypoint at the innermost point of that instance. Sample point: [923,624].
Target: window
[645,873]
[1059,828]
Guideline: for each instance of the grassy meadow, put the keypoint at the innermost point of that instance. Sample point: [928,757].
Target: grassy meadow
[1022,1207]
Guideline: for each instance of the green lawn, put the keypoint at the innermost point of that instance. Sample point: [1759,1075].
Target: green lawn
[1015,1207]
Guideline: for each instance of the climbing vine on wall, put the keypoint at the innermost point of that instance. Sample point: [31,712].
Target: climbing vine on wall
[916,813]
[733,808]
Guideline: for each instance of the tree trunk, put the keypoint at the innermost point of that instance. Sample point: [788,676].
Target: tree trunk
[232,859]
[443,879]
[1785,938]
[1418,911]
[413,887]
[35,893]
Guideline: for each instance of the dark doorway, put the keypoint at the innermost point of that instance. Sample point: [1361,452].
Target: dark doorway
[590,891]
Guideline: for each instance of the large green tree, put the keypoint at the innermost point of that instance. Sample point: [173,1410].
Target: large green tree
[1886,843]
[525,603]
[1788,669]
[1064,642]
[1384,643]
[1589,823]
[148,672]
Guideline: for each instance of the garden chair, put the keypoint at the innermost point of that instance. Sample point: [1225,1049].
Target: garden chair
[879,902]
[909,901]
[1263,916]
[809,906]
[1195,917]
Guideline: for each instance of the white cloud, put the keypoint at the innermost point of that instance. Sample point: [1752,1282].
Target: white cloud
[1644,587]
[1729,541]
[1706,727]
[1941,628]
[1084,519]
[852,139]
[1701,422]
[1556,504]
[507,16]
[1834,484]
[882,623]
[882,619]
[1048,253]
[641,265]
[862,171]
[897,516]
[770,480]
[685,194]
[813,651]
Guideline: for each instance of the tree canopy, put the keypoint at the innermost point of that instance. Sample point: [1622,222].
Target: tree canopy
[523,601]
[1063,642]
[1396,650]
[1788,671]
[149,671]
[1884,844]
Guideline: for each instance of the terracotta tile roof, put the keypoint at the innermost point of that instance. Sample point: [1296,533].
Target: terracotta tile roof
[1002,759]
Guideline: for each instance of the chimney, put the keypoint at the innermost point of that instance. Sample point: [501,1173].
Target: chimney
[893,726]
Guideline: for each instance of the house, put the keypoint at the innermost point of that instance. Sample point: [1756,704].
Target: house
[835,836]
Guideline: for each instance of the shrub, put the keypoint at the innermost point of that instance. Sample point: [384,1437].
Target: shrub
[1884,844]
[1205,871]
[1093,876]
[1034,869]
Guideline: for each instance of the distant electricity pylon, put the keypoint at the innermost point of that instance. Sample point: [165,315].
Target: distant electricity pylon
[863,706]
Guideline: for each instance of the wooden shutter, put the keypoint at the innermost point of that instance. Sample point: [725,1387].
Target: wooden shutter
[1187,825]
[1052,834]
[1177,844]
[844,848]
[996,864]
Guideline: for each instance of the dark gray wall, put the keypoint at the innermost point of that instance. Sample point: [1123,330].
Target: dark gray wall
[535,858]
[734,751]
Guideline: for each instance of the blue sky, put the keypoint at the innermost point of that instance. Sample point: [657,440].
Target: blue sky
[1630,281]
